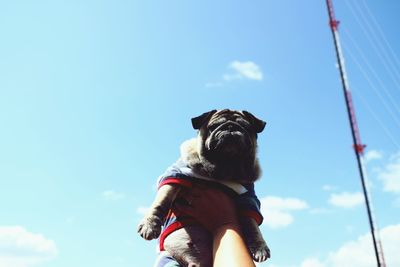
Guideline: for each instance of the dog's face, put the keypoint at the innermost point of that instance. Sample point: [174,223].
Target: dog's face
[228,134]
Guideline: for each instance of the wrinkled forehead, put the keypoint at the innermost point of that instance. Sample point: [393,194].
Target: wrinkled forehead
[226,114]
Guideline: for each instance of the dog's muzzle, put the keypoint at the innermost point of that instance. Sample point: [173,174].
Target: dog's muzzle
[229,136]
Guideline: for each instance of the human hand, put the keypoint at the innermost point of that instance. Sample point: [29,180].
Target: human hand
[211,207]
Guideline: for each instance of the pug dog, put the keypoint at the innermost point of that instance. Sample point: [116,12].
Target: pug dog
[222,155]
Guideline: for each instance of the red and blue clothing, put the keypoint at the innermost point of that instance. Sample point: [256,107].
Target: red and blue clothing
[179,173]
[166,260]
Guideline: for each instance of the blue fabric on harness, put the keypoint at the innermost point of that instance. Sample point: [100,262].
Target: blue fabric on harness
[165,260]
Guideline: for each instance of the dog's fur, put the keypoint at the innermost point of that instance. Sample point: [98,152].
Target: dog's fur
[240,163]
[225,150]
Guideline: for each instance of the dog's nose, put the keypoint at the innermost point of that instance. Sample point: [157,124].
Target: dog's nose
[232,126]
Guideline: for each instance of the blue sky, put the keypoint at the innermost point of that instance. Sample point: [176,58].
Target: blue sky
[97,96]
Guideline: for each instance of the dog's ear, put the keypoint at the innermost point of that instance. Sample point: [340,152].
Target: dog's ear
[257,124]
[197,122]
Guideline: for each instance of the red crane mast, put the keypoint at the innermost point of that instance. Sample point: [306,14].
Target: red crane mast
[357,144]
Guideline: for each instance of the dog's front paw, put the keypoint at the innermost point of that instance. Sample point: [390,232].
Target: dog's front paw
[260,252]
[150,227]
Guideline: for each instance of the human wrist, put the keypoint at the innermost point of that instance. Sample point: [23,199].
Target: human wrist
[221,229]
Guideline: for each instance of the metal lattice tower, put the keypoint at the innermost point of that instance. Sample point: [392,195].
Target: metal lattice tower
[357,144]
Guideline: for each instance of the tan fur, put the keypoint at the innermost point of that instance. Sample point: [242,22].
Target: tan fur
[189,151]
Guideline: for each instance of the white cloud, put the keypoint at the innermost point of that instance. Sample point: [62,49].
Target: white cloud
[284,203]
[20,248]
[244,70]
[277,210]
[372,155]
[277,218]
[347,200]
[390,176]
[360,252]
[112,195]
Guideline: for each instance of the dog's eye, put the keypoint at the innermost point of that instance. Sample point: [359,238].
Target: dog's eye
[244,123]
[212,127]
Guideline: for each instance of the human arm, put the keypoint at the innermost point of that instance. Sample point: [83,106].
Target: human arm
[216,211]
[229,248]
